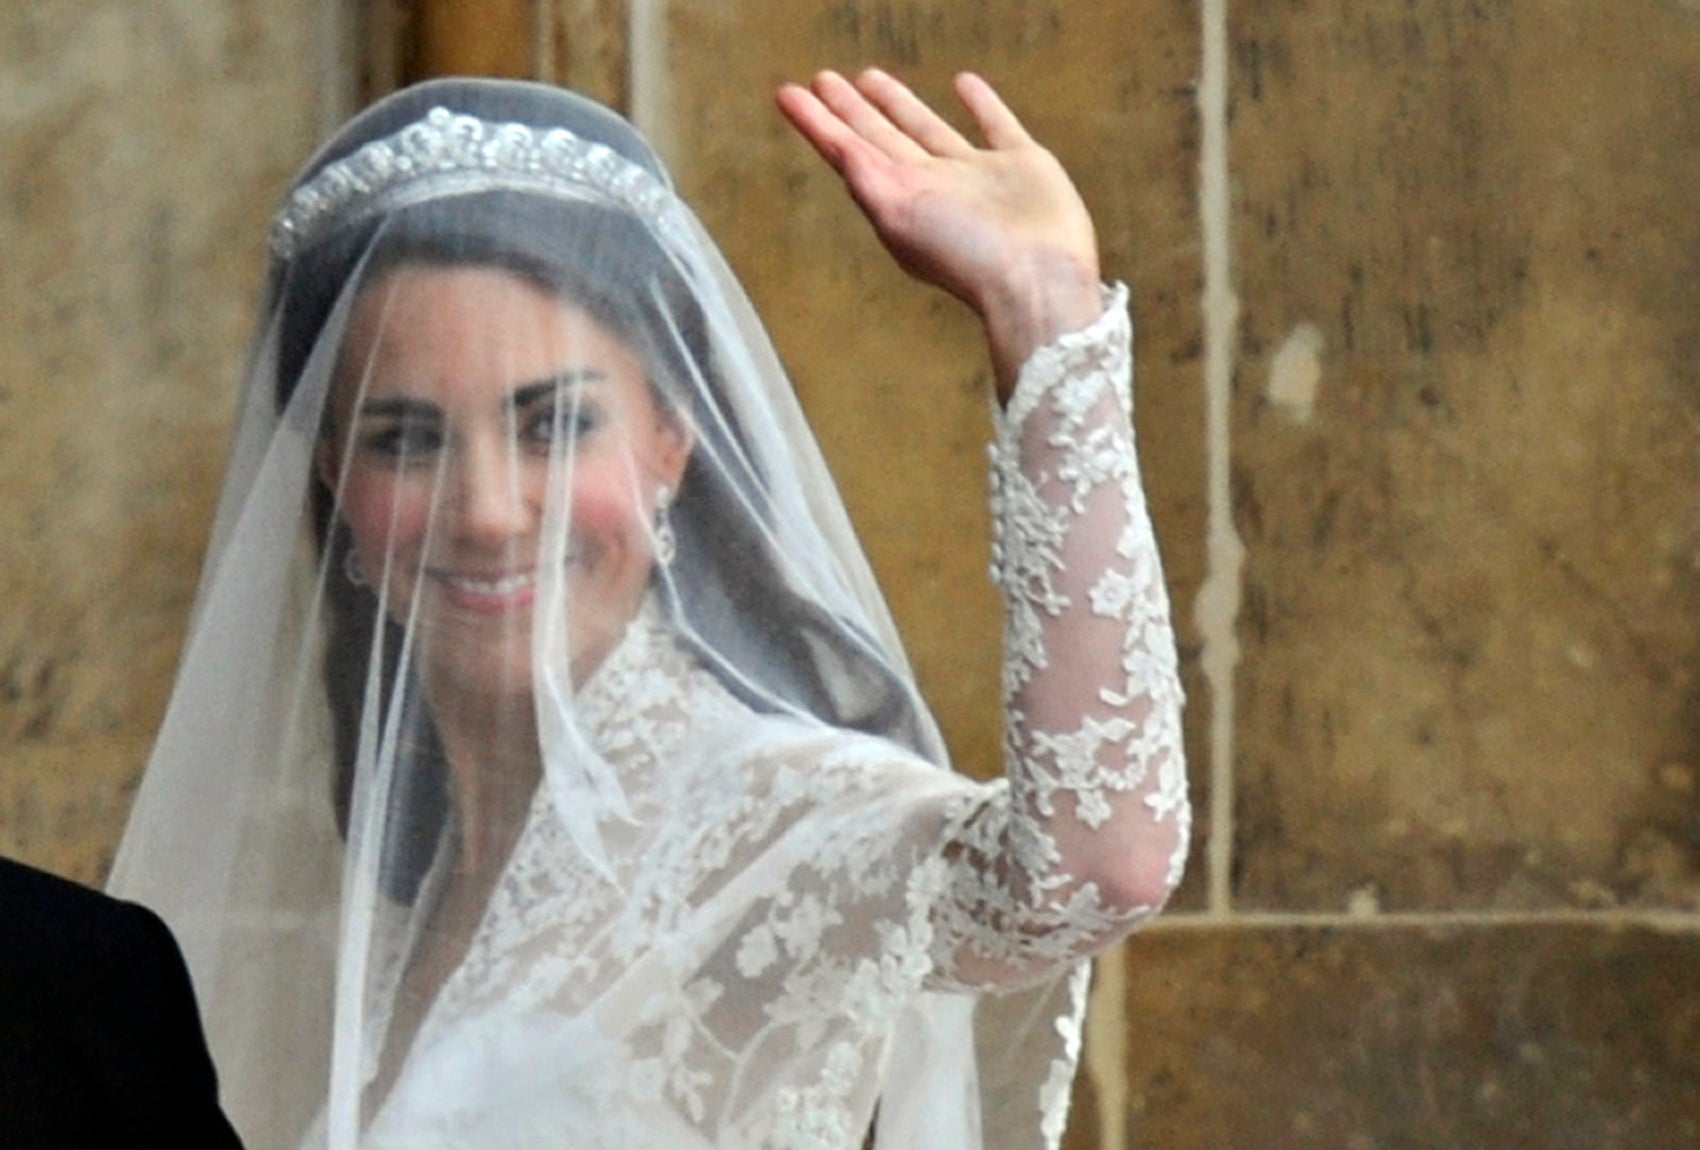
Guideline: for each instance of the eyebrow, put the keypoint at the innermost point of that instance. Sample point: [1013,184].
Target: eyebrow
[522,396]
[547,389]
[397,408]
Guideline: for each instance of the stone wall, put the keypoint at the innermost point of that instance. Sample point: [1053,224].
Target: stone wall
[142,147]
[1472,595]
[1418,296]
[1455,900]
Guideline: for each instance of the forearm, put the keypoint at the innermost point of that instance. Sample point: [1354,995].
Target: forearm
[1090,836]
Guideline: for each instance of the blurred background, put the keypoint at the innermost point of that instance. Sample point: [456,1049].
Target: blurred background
[1418,300]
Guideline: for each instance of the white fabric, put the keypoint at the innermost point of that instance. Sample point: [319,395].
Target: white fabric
[722,917]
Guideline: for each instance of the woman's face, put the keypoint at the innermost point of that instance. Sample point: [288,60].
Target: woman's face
[467,398]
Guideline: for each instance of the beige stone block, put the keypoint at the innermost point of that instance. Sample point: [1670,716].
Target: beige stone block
[589,48]
[1370,1039]
[142,149]
[63,803]
[1467,441]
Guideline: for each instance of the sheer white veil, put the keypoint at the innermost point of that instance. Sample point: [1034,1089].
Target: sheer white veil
[296,822]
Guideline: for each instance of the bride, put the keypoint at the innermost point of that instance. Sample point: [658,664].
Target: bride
[543,769]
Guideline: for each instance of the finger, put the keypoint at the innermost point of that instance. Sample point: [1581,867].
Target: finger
[996,122]
[824,132]
[817,124]
[867,121]
[857,162]
[911,114]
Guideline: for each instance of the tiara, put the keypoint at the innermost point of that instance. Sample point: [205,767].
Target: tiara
[449,154]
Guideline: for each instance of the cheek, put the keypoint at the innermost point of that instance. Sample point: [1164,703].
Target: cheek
[384,512]
[605,504]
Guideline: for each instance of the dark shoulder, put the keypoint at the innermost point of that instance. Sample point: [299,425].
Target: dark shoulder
[53,916]
[94,995]
[24,887]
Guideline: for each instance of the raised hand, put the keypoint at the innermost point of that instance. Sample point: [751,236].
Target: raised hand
[1001,227]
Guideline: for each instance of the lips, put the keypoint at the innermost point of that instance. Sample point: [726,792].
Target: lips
[487,592]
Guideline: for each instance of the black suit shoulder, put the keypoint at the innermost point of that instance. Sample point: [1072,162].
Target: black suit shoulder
[100,1036]
[52,919]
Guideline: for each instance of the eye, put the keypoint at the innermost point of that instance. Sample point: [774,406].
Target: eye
[405,440]
[560,422]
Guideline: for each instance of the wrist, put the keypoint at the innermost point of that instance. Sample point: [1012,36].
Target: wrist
[1053,294]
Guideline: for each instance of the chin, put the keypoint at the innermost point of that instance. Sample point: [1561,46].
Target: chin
[484,665]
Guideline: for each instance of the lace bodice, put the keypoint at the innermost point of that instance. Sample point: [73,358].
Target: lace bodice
[790,907]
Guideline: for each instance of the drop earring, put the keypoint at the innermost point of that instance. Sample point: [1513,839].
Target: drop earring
[351,569]
[666,543]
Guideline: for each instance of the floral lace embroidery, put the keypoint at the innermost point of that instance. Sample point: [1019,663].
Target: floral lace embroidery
[1081,730]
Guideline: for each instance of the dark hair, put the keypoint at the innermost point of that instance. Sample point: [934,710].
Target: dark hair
[725,574]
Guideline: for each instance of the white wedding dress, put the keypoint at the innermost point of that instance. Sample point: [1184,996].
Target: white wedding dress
[691,1000]
[740,900]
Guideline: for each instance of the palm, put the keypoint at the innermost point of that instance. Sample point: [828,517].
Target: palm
[971,220]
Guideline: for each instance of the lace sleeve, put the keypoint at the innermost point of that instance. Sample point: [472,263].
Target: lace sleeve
[1087,834]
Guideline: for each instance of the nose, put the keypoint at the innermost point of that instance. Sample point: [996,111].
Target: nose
[487,500]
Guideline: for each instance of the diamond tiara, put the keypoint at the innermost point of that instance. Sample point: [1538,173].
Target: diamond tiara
[451,154]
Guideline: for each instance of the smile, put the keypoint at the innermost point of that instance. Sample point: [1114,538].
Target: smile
[501,585]
[488,592]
